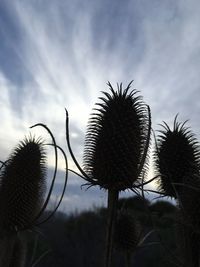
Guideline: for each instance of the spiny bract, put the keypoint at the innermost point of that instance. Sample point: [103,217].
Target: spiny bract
[22,186]
[177,159]
[116,137]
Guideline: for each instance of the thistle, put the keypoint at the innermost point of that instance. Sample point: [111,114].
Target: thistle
[127,234]
[22,186]
[116,140]
[177,159]
[116,148]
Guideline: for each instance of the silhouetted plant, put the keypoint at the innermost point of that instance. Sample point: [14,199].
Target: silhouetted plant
[162,207]
[127,234]
[22,186]
[116,148]
[18,257]
[22,192]
[178,160]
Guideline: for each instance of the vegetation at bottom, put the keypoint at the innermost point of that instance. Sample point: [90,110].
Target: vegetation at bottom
[78,240]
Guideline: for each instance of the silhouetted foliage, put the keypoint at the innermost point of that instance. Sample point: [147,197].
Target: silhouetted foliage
[162,207]
[78,240]
[116,149]
[116,139]
[177,159]
[22,186]
[115,158]
[136,202]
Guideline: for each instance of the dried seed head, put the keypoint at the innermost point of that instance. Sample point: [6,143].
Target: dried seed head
[116,138]
[22,185]
[127,232]
[177,158]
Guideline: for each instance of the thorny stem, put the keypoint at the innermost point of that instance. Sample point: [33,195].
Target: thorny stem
[112,213]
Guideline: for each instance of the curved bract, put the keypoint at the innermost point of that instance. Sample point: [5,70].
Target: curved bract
[116,139]
[177,159]
[22,186]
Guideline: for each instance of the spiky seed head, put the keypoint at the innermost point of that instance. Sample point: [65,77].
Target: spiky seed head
[127,232]
[22,185]
[116,136]
[177,158]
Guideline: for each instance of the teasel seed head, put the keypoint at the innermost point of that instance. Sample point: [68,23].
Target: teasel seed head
[116,139]
[22,186]
[127,232]
[177,159]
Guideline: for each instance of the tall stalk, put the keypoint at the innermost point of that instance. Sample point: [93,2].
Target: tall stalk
[127,234]
[178,161]
[116,148]
[22,196]
[112,213]
[128,259]
[22,190]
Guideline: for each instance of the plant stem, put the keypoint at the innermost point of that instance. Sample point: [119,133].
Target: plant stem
[6,250]
[128,258]
[112,213]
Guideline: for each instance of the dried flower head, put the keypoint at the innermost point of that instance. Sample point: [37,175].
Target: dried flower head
[127,232]
[177,159]
[22,185]
[117,139]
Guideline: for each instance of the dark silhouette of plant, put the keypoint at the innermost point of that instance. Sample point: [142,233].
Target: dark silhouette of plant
[22,193]
[116,148]
[127,234]
[18,257]
[161,207]
[22,186]
[178,160]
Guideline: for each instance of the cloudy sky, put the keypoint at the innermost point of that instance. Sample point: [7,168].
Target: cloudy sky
[56,54]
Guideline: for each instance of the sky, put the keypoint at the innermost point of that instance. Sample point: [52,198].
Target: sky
[60,54]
